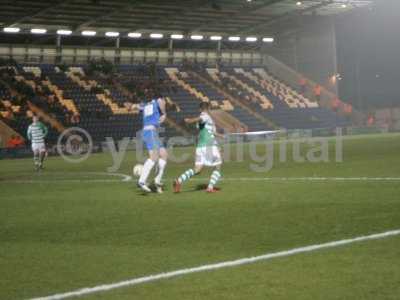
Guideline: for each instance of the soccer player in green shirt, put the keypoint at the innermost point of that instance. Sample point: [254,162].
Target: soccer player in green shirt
[207,151]
[37,132]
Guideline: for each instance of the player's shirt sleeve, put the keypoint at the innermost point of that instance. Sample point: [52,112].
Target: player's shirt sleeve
[202,122]
[203,118]
[141,106]
[44,129]
[29,133]
[161,104]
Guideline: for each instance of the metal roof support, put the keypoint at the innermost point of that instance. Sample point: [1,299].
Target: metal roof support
[254,28]
[207,24]
[31,15]
[106,15]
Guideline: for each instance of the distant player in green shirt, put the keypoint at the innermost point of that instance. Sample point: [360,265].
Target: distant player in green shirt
[37,132]
[207,151]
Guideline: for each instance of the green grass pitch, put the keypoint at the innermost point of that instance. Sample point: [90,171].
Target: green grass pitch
[72,226]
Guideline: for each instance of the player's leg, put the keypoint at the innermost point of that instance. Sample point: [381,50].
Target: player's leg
[162,162]
[148,139]
[148,166]
[214,159]
[215,177]
[36,159]
[36,153]
[185,176]
[42,156]
[189,173]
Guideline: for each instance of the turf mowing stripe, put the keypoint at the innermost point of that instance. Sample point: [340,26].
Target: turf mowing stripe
[313,179]
[84,178]
[127,178]
[66,181]
[216,266]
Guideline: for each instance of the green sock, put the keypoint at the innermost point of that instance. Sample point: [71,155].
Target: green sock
[215,177]
[42,156]
[36,159]
[186,176]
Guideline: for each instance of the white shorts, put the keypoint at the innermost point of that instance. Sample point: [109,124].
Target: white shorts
[208,156]
[38,147]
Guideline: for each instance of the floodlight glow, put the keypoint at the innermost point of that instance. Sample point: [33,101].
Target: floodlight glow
[234,38]
[268,40]
[344,5]
[112,34]
[156,35]
[11,29]
[38,30]
[176,36]
[196,37]
[299,3]
[64,32]
[215,38]
[134,35]
[88,33]
[251,39]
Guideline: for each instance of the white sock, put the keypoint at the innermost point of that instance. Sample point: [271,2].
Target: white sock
[215,176]
[36,159]
[186,176]
[148,165]
[161,167]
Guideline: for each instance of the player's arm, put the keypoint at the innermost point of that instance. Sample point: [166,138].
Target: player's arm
[131,106]
[192,120]
[44,129]
[163,110]
[128,105]
[219,135]
[29,133]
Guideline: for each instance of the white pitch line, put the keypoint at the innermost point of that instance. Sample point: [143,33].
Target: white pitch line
[216,266]
[317,179]
[124,176]
[127,178]
[65,181]
[313,179]
[85,175]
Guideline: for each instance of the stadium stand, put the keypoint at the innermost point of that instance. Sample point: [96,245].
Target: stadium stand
[275,100]
[17,109]
[244,98]
[205,91]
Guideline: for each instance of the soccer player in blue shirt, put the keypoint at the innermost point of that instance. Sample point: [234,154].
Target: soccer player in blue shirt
[154,114]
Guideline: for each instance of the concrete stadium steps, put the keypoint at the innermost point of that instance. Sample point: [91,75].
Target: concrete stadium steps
[227,122]
[6,132]
[243,109]
[255,101]
[23,109]
[240,112]
[301,114]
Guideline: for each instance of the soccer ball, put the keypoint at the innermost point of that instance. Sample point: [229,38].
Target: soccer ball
[137,170]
